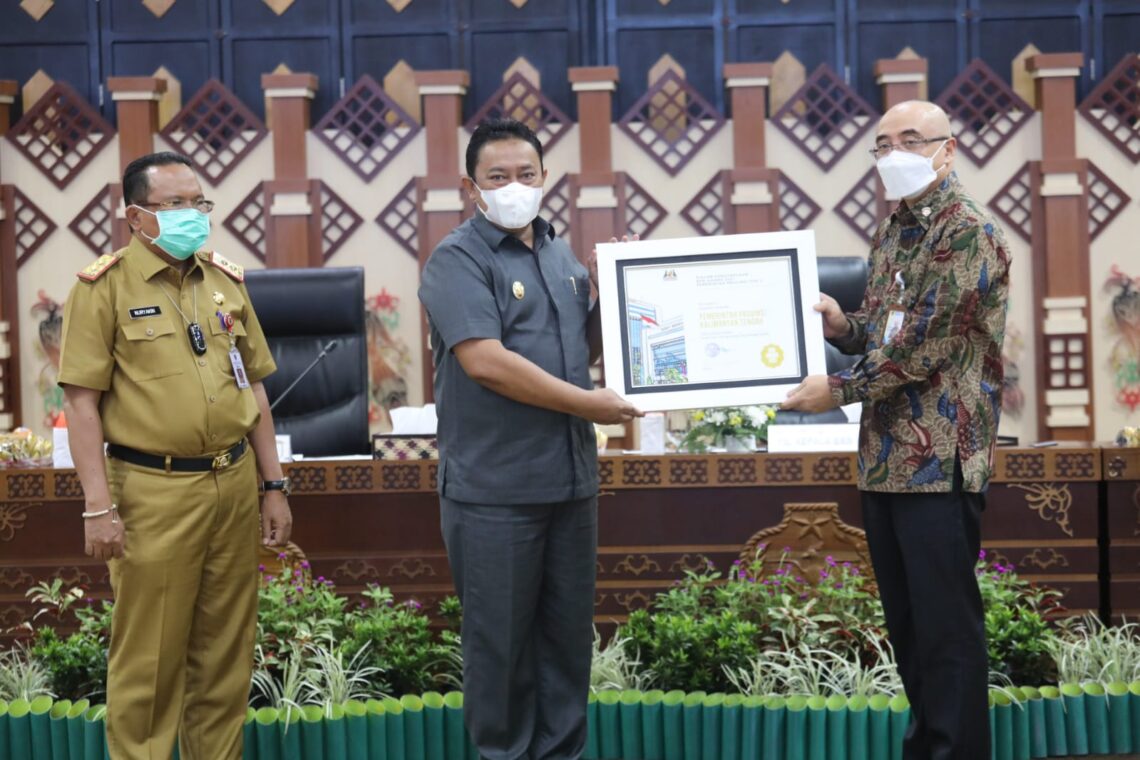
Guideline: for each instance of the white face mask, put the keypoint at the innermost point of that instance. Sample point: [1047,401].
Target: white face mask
[906,174]
[512,206]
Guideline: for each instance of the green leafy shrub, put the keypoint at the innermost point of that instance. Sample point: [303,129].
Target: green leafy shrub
[707,626]
[409,657]
[1019,634]
[77,665]
[295,610]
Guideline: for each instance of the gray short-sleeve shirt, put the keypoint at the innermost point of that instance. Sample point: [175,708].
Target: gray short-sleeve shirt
[482,282]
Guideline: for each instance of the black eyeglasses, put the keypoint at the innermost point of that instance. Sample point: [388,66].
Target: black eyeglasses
[203,205]
[911,145]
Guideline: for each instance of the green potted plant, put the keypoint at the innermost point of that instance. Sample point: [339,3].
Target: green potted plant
[733,428]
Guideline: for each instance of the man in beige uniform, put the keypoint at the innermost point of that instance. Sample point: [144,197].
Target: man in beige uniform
[163,359]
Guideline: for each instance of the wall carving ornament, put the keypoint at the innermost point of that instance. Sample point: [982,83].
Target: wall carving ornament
[12,517]
[1050,501]
[809,535]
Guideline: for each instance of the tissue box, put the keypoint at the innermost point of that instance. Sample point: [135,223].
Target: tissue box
[404,447]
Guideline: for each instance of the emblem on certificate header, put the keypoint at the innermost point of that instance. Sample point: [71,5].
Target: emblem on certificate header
[670,274]
[518,290]
[772,355]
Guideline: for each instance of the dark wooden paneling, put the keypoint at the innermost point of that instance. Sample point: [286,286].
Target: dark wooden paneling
[652,9]
[378,522]
[187,60]
[639,49]
[253,57]
[549,52]
[365,12]
[376,56]
[933,40]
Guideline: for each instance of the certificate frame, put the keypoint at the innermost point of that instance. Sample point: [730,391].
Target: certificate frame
[652,366]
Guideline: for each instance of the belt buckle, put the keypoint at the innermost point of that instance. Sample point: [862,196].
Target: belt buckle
[222,461]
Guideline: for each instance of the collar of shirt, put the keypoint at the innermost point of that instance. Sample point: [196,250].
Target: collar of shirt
[494,236]
[150,263]
[916,211]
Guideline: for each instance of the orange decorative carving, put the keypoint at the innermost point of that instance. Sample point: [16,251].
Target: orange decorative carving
[1050,501]
[811,533]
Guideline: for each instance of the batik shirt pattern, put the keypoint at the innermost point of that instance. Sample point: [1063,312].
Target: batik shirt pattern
[932,393]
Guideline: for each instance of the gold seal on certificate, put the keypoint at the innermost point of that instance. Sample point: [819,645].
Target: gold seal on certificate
[696,322]
[772,355]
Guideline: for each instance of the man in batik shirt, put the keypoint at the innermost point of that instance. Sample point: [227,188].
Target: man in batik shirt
[931,328]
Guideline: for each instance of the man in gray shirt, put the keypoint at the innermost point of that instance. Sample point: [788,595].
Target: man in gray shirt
[513,334]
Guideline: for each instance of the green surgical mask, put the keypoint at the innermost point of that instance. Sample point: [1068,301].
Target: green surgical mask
[181,231]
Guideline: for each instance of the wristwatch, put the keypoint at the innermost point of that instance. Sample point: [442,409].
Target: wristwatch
[285,485]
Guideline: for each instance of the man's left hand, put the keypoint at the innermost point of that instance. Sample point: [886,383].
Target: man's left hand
[812,395]
[276,519]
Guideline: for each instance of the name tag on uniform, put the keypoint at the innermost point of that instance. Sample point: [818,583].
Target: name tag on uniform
[894,324]
[144,311]
[239,368]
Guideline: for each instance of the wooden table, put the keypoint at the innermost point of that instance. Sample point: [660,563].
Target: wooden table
[362,522]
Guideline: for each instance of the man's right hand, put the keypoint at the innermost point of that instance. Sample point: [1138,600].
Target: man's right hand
[104,535]
[606,407]
[835,324]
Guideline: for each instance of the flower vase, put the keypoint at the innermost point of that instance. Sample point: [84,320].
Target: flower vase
[736,445]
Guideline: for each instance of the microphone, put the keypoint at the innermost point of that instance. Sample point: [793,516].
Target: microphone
[320,357]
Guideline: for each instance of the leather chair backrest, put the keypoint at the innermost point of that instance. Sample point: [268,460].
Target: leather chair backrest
[844,278]
[300,311]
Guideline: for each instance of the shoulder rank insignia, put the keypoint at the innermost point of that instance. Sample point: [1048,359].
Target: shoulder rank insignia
[96,269]
[233,270]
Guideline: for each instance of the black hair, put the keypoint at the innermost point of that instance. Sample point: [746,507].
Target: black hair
[499,129]
[136,187]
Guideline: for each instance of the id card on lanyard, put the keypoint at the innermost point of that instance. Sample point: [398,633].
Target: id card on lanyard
[236,362]
[896,315]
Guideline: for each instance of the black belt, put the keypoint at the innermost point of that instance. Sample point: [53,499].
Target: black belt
[177,464]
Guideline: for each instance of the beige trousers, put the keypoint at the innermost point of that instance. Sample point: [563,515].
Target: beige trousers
[185,611]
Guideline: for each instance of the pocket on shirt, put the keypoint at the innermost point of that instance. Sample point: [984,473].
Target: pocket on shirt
[154,350]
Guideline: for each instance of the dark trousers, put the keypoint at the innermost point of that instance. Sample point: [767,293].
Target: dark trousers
[924,547]
[525,576]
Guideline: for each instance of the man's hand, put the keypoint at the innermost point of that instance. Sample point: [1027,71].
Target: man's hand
[276,519]
[835,324]
[812,395]
[606,407]
[103,536]
[592,261]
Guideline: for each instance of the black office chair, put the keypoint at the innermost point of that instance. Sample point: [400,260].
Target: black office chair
[844,278]
[301,311]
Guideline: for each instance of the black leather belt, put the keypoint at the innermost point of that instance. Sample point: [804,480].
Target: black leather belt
[177,464]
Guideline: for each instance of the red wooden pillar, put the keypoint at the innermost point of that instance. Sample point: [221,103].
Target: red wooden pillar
[751,191]
[291,200]
[438,193]
[136,104]
[900,79]
[594,203]
[1060,213]
[10,412]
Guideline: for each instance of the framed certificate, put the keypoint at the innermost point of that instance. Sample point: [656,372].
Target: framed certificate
[711,321]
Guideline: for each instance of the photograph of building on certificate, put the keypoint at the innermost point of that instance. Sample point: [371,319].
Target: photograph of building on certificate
[719,320]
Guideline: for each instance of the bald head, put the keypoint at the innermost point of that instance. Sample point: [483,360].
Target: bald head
[927,118]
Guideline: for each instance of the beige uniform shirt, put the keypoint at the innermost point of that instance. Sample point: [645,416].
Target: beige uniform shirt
[123,335]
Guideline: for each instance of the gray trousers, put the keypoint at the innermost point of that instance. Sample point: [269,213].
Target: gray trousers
[525,576]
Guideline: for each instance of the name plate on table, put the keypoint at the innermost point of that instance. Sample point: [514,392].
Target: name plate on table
[799,439]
